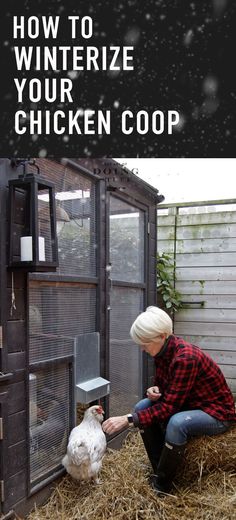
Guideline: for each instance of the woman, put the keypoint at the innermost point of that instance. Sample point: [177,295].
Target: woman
[189,397]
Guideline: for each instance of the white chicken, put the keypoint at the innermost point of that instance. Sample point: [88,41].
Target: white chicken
[86,446]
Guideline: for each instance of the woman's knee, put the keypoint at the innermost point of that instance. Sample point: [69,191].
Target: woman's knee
[175,431]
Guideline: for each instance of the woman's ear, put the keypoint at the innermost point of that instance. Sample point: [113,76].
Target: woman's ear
[164,336]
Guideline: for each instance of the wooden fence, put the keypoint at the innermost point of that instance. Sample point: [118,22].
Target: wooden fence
[201,237]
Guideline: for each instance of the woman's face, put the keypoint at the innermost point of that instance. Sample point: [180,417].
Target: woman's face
[154,347]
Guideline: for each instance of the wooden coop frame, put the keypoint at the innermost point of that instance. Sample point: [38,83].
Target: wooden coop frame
[37,329]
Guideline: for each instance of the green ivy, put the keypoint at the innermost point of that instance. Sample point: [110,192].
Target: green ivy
[165,285]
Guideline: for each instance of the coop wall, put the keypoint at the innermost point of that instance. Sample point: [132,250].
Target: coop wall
[43,305]
[13,363]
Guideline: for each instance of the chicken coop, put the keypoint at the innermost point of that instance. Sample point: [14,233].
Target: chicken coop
[77,265]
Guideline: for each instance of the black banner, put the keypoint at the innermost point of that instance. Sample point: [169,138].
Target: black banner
[121,79]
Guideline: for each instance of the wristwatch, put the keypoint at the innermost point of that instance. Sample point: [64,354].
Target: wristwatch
[130,419]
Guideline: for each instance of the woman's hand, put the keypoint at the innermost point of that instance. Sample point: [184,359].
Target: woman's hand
[153,393]
[115,424]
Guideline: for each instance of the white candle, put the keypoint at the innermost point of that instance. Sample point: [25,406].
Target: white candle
[26,253]
[26,249]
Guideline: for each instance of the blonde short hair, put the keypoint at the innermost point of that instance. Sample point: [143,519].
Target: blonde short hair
[150,324]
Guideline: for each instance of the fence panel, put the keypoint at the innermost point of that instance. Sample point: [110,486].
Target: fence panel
[202,239]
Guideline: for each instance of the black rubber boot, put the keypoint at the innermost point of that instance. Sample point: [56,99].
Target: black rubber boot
[153,440]
[170,460]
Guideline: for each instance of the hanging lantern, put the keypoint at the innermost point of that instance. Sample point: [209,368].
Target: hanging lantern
[32,223]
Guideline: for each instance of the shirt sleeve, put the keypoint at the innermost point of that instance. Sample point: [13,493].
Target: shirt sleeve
[183,377]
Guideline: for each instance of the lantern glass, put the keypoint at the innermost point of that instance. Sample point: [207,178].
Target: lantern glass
[44,227]
[33,242]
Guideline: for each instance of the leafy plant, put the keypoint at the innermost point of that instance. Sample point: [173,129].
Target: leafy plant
[165,283]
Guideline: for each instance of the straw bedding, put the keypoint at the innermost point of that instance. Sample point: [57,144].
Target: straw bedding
[205,487]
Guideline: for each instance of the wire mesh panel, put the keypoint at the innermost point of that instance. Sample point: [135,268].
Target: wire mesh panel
[49,396]
[56,312]
[76,236]
[76,220]
[125,356]
[126,241]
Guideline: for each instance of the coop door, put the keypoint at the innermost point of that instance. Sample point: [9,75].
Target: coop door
[127,297]
[58,312]
[49,393]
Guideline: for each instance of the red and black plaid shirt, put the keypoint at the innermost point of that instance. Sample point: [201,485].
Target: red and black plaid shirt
[188,379]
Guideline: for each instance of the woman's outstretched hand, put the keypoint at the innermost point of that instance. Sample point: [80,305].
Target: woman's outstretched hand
[115,424]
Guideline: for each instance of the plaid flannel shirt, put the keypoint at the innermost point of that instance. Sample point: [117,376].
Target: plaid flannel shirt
[188,379]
